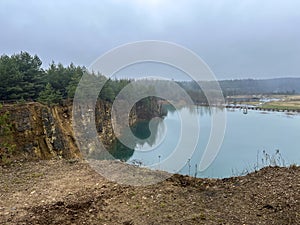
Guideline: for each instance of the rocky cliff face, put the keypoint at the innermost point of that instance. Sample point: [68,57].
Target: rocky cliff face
[42,132]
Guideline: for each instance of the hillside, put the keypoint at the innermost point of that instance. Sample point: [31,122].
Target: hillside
[261,86]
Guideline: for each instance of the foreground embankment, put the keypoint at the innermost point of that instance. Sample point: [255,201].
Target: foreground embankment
[70,192]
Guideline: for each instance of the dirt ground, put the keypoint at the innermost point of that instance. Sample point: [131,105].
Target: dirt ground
[70,192]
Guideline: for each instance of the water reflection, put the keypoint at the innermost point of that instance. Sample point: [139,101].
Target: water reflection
[120,151]
[149,134]
[243,139]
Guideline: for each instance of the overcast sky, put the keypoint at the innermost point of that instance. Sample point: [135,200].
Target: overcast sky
[236,38]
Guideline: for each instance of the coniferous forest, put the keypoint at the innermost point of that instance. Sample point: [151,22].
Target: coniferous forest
[24,79]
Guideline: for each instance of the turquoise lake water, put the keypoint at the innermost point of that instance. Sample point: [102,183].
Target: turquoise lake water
[251,141]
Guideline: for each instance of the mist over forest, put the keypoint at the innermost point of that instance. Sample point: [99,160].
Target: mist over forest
[24,79]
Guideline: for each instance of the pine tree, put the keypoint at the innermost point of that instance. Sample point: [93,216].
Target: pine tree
[49,96]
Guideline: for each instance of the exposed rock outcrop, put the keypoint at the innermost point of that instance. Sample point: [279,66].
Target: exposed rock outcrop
[42,132]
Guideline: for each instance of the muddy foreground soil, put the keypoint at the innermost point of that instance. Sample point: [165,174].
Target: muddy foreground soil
[70,192]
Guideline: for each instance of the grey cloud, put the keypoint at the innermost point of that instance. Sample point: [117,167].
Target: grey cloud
[236,38]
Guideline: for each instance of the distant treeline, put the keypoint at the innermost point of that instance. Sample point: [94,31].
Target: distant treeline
[243,87]
[261,86]
[250,86]
[23,79]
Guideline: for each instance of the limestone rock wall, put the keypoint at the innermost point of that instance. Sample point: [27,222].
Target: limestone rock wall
[42,132]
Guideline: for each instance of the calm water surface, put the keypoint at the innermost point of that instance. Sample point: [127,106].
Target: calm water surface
[251,141]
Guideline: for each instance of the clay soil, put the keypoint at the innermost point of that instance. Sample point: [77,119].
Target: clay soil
[70,192]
